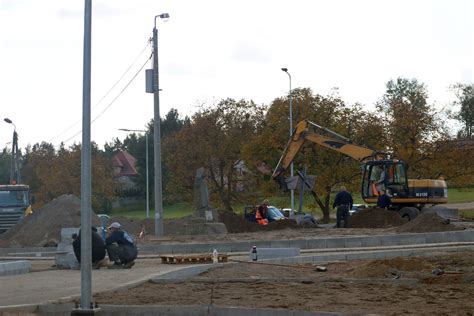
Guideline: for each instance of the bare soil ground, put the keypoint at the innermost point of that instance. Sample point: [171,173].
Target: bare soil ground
[391,287]
[399,286]
[43,228]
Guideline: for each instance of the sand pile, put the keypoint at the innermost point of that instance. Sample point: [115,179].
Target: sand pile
[238,224]
[43,227]
[375,218]
[426,223]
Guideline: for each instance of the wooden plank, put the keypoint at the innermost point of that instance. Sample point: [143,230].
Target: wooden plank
[192,258]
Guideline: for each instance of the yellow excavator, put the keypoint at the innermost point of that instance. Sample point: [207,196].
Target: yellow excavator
[380,172]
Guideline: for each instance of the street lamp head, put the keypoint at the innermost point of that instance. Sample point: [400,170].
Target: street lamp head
[164,16]
[132,130]
[284,69]
[8,120]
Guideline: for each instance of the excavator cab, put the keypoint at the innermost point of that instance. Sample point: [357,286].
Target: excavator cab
[381,175]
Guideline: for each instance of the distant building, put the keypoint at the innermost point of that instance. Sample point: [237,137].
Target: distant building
[125,170]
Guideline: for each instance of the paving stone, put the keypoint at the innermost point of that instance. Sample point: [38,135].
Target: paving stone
[15,267]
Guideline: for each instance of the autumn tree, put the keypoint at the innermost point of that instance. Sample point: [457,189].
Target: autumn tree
[51,173]
[410,124]
[213,140]
[465,101]
[417,133]
[5,162]
[331,168]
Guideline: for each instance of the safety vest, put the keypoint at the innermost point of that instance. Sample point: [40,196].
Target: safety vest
[259,218]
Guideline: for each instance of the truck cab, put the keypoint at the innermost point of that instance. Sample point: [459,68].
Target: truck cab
[14,205]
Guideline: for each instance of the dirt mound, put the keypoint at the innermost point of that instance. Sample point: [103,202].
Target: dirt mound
[43,227]
[375,218]
[238,224]
[388,267]
[132,226]
[426,223]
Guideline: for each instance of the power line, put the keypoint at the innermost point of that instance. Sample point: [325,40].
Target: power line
[112,102]
[108,92]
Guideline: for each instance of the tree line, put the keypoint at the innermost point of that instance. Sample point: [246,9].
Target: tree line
[237,141]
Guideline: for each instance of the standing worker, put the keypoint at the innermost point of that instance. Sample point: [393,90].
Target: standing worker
[343,202]
[120,247]
[261,213]
[384,201]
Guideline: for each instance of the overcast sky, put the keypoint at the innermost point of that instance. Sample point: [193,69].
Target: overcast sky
[212,49]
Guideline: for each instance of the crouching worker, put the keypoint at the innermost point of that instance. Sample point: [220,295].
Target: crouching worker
[120,247]
[261,213]
[98,248]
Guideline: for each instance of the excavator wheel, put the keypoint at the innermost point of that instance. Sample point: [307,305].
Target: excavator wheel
[408,212]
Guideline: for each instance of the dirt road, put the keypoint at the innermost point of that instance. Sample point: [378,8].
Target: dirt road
[389,287]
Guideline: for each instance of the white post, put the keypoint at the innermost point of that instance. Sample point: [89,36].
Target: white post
[292,212]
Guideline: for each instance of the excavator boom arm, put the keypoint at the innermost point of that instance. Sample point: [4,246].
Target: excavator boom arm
[301,135]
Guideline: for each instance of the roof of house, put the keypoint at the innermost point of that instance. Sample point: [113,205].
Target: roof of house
[126,163]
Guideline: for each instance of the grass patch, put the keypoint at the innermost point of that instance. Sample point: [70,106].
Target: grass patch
[180,209]
[467,214]
[460,195]
[169,211]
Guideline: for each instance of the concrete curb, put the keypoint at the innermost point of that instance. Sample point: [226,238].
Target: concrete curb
[186,272]
[361,255]
[14,267]
[245,246]
[183,273]
[315,243]
[162,310]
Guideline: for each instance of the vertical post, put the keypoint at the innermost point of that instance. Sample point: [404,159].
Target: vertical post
[292,212]
[157,138]
[302,187]
[147,184]
[12,162]
[17,158]
[86,253]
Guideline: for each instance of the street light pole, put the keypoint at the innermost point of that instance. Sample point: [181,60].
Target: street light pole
[157,133]
[146,159]
[86,182]
[292,212]
[15,175]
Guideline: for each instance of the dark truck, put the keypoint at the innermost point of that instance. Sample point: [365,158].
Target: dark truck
[14,204]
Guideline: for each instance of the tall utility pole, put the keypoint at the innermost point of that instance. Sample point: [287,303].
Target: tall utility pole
[292,212]
[157,133]
[15,175]
[86,251]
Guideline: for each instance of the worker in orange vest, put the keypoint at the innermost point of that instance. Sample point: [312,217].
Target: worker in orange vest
[261,213]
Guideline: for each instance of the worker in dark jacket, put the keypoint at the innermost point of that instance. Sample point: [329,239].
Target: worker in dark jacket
[343,202]
[384,201]
[98,248]
[120,247]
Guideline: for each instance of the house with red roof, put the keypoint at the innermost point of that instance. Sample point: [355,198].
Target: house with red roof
[125,169]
